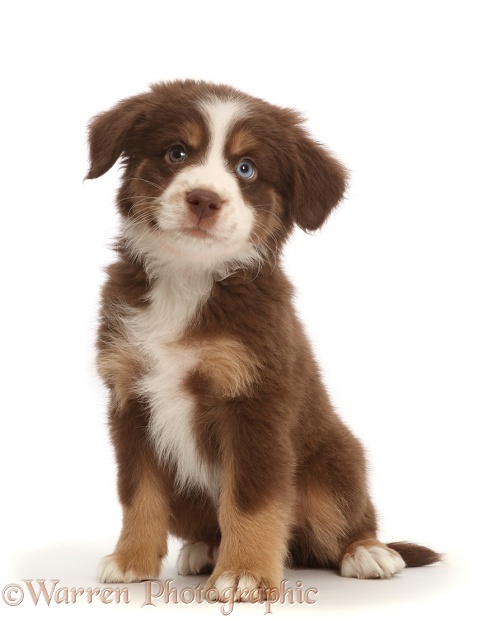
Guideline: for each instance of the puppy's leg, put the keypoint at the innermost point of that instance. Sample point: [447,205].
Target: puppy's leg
[321,526]
[336,521]
[254,512]
[142,490]
[142,544]
[320,540]
[252,550]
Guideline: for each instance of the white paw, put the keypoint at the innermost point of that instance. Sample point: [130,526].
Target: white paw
[110,572]
[195,558]
[372,562]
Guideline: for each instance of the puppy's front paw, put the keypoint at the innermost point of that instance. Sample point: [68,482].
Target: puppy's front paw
[116,568]
[196,558]
[245,586]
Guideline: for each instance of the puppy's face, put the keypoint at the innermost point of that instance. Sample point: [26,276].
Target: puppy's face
[202,196]
[212,176]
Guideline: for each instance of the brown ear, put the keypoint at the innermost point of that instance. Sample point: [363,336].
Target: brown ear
[319,182]
[109,132]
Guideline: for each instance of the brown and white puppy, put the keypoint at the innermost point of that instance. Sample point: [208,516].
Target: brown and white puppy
[223,431]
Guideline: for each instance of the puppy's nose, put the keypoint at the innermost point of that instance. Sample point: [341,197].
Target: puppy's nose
[203,203]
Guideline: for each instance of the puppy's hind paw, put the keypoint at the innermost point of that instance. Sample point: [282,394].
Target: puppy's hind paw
[371,560]
[197,558]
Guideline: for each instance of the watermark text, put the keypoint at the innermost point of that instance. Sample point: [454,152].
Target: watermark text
[153,593]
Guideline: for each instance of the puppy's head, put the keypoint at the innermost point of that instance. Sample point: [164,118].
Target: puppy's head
[212,176]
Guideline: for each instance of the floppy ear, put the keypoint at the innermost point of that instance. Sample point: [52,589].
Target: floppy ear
[109,133]
[319,182]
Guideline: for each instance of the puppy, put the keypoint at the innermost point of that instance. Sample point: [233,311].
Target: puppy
[223,432]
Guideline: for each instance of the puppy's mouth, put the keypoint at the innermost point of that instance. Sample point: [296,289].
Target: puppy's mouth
[198,232]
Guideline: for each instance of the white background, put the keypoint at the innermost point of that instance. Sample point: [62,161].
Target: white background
[398,291]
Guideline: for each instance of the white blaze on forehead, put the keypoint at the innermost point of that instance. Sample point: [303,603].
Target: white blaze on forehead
[220,116]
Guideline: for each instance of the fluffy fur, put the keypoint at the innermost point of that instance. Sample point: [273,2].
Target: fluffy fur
[223,431]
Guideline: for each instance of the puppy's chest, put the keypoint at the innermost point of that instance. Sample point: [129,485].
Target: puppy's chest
[155,334]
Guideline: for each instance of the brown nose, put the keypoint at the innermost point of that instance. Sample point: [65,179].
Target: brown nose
[203,203]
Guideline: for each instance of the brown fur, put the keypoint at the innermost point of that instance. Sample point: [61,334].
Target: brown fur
[242,142]
[257,543]
[229,367]
[293,476]
[415,555]
[140,548]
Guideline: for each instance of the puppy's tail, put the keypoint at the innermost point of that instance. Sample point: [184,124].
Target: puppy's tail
[415,555]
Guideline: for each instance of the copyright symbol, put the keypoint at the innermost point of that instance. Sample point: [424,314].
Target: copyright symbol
[12,594]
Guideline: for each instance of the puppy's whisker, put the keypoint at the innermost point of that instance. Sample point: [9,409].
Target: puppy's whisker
[269,233]
[274,214]
[135,197]
[141,217]
[172,171]
[148,182]
[143,202]
[269,254]
[145,232]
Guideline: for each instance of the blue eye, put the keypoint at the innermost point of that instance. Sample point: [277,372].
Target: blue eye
[246,170]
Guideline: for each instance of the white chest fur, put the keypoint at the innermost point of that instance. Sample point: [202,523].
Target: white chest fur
[155,332]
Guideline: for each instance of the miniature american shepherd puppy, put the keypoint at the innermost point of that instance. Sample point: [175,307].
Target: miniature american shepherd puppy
[223,431]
